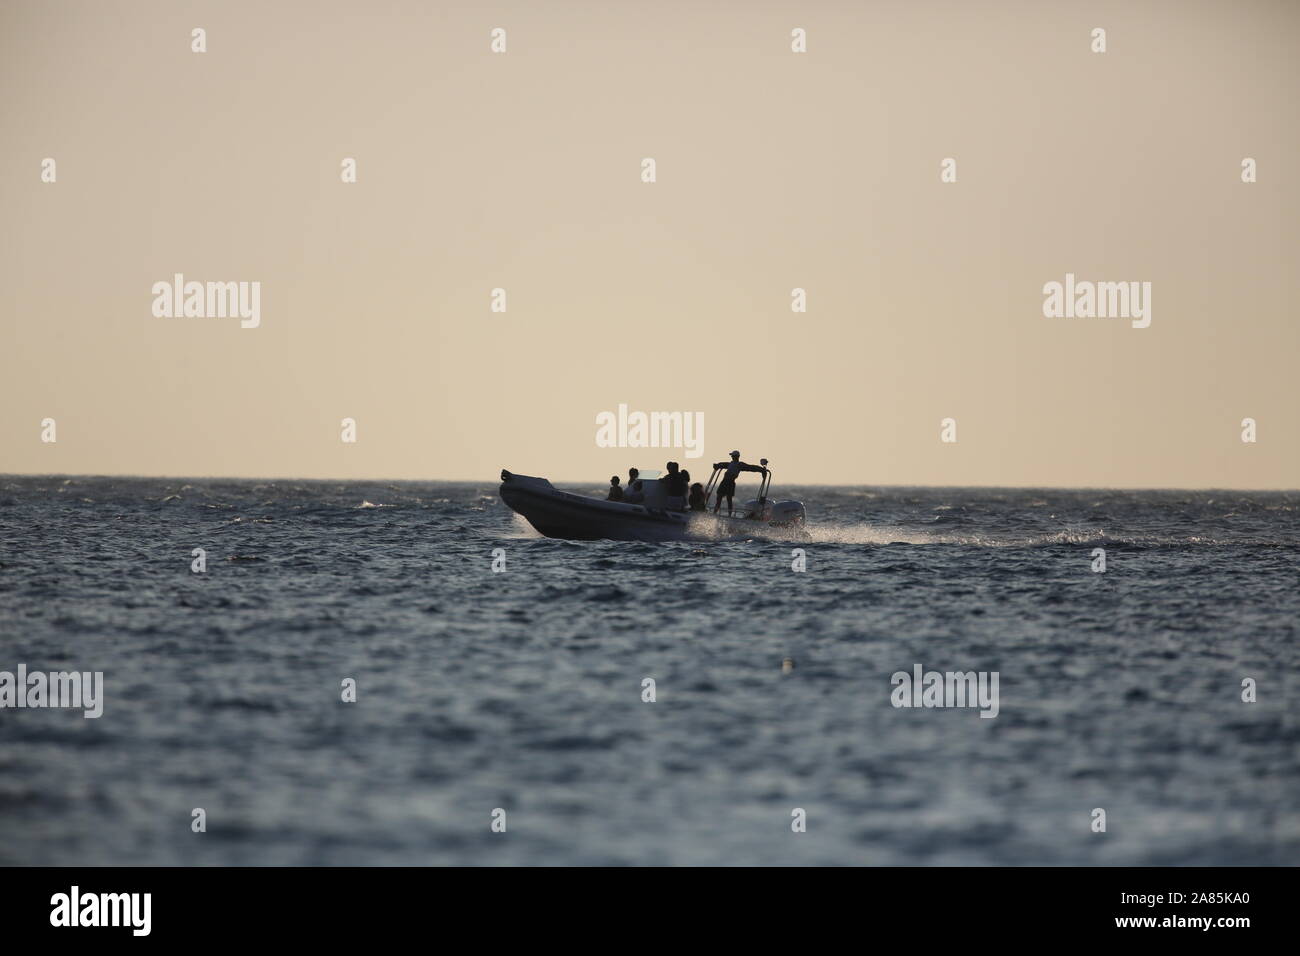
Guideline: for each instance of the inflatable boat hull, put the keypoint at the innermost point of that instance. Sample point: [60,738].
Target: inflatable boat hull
[561,514]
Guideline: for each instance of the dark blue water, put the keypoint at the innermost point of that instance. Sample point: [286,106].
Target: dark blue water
[522,690]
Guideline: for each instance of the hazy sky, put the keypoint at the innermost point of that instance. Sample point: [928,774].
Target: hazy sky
[775,170]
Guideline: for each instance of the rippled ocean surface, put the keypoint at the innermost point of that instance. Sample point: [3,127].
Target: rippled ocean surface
[522,690]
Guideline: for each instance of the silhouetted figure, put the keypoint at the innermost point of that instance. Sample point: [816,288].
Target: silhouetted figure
[634,494]
[727,489]
[698,502]
[615,490]
[674,485]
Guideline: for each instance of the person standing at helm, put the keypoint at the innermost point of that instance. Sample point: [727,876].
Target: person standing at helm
[727,489]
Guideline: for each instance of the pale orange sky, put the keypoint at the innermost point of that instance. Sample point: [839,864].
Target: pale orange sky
[775,170]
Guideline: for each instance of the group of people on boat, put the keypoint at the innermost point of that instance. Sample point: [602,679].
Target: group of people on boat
[679,493]
[675,484]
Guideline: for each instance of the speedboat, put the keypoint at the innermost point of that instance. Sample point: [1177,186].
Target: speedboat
[562,514]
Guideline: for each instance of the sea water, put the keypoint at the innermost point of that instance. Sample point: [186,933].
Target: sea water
[228,618]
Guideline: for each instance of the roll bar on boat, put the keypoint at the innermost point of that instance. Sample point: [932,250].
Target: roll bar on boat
[763,487]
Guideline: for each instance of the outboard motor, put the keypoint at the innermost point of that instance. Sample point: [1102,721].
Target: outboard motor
[787,513]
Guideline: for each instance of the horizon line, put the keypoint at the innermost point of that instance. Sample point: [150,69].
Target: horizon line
[495,480]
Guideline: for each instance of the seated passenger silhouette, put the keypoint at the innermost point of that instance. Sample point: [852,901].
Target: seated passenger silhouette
[698,502]
[674,484]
